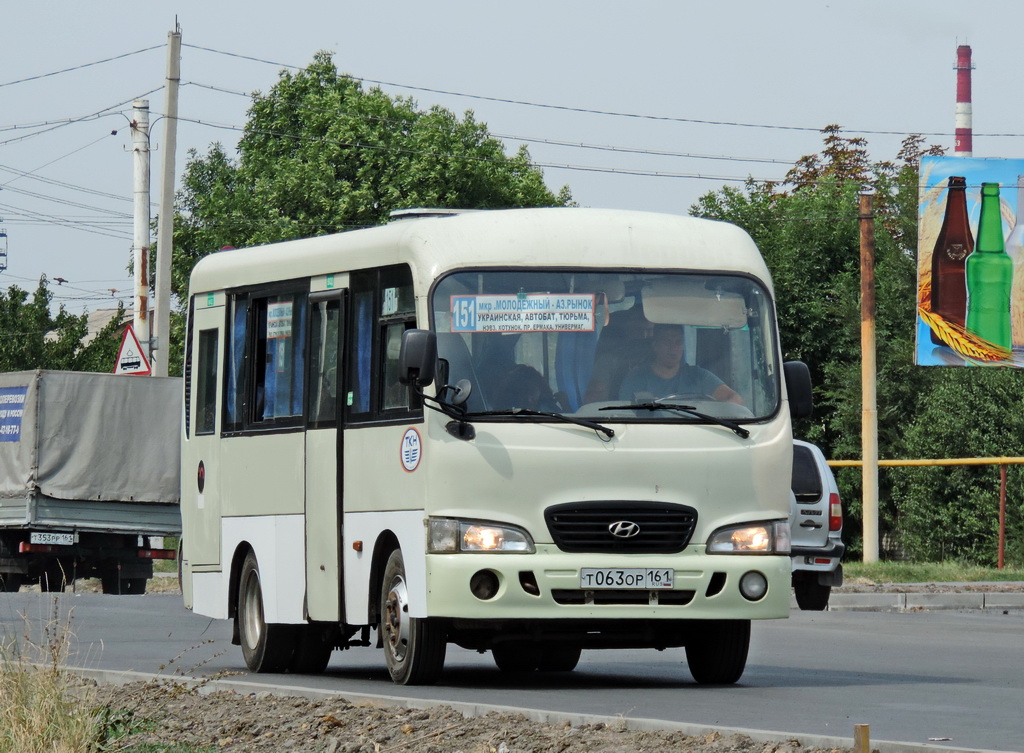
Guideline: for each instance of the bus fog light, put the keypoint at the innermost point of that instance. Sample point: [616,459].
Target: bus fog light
[484,584]
[753,586]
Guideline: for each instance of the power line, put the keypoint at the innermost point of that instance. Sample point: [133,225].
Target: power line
[539,140]
[83,65]
[92,116]
[593,111]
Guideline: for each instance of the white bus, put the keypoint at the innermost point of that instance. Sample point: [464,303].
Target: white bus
[529,431]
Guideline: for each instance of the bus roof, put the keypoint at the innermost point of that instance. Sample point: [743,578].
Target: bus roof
[552,237]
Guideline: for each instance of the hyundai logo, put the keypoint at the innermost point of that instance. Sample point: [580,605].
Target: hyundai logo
[624,529]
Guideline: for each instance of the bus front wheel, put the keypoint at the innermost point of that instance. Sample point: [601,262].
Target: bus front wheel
[414,647]
[266,648]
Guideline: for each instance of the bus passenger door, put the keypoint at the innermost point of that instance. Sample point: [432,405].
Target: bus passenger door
[200,466]
[325,380]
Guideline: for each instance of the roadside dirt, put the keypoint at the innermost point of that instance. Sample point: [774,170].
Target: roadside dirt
[263,723]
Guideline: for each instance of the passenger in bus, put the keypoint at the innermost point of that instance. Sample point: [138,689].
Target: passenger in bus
[667,373]
[524,387]
[624,345]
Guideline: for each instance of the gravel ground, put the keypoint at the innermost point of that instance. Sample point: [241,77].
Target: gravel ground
[265,723]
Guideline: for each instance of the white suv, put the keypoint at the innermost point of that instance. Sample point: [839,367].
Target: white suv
[816,519]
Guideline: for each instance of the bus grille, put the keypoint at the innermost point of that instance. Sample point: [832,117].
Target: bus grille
[642,527]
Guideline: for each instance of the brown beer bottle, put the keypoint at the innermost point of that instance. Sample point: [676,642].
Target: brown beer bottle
[953,246]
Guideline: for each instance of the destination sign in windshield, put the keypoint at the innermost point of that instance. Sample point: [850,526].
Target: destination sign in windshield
[532,312]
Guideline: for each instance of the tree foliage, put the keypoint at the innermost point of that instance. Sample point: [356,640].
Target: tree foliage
[31,337]
[321,155]
[808,230]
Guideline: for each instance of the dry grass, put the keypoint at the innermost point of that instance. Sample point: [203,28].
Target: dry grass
[41,710]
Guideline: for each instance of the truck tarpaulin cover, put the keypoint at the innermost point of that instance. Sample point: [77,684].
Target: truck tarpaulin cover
[83,436]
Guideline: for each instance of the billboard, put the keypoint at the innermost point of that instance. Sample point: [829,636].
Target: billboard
[970,262]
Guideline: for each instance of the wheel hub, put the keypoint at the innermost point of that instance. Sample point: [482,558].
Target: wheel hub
[396,622]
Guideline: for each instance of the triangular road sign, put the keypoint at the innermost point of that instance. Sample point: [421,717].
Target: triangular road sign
[130,358]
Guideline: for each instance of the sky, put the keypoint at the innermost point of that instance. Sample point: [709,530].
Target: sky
[643,105]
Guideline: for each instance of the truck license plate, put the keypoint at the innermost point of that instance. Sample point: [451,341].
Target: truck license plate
[51,537]
[626,577]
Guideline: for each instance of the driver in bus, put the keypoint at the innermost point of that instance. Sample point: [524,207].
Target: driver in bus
[667,374]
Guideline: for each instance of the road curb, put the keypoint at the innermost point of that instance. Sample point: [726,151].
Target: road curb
[206,685]
[900,601]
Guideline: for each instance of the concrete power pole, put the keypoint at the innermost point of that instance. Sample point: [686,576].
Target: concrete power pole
[165,230]
[140,245]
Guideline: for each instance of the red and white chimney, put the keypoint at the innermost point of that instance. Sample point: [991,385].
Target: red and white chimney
[964,125]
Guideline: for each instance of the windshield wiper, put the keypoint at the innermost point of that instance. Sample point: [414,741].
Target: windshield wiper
[653,405]
[547,414]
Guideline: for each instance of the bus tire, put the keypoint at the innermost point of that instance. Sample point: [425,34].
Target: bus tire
[517,657]
[266,648]
[313,647]
[558,658]
[414,648]
[716,651]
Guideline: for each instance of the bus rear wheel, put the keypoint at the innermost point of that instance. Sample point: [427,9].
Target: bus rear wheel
[266,648]
[414,648]
[716,651]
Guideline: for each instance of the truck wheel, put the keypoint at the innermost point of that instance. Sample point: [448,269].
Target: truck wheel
[52,578]
[11,582]
[114,584]
[414,648]
[811,596]
[266,648]
[716,651]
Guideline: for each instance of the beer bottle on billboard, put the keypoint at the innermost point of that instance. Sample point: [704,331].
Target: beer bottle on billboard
[954,244]
[989,275]
[1015,250]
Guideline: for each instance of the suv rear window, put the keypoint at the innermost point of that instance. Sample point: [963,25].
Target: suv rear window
[806,479]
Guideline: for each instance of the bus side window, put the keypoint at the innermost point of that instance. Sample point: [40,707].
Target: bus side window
[206,387]
[279,363]
[396,395]
[324,363]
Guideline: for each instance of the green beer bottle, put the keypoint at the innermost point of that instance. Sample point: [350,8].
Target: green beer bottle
[989,275]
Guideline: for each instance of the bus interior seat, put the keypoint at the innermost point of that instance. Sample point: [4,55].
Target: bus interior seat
[451,347]
[621,347]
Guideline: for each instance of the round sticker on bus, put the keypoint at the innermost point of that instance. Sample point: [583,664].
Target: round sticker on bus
[411,449]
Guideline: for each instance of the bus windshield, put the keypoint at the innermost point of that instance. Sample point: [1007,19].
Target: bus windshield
[612,346]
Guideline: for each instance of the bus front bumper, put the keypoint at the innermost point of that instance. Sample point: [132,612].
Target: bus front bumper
[548,585]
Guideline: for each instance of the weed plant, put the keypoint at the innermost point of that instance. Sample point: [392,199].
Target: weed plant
[40,710]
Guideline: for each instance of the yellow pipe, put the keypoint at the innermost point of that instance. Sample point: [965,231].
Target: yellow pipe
[948,461]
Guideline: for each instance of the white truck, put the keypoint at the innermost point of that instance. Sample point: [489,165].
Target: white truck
[89,476]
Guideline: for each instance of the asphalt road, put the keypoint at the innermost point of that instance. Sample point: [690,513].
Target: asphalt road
[914,677]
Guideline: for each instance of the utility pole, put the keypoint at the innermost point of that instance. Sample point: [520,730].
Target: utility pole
[869,402]
[140,246]
[165,230]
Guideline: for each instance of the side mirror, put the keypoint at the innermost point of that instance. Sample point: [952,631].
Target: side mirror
[798,387]
[417,358]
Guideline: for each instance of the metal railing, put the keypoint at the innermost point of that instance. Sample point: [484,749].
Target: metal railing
[1002,462]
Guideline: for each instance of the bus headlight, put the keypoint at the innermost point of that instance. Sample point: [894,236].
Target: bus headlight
[447,535]
[769,537]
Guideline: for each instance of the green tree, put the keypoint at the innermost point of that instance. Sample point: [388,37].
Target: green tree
[31,337]
[808,230]
[322,155]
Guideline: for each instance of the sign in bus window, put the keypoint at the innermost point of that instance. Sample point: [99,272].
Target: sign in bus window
[528,312]
[278,377]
